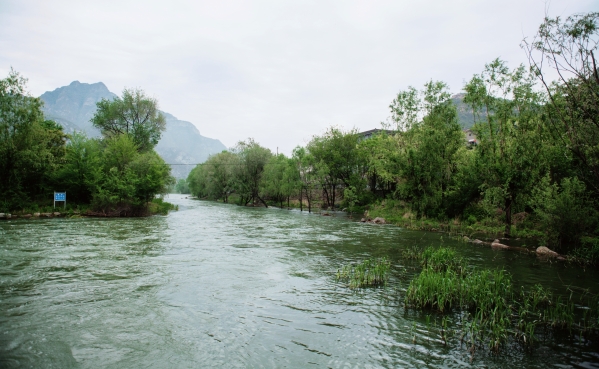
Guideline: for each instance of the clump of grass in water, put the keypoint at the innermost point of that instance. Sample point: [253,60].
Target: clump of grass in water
[494,312]
[370,272]
[412,252]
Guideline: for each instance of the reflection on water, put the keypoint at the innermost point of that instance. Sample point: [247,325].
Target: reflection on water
[220,285]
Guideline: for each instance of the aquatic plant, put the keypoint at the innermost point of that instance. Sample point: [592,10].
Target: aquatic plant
[370,272]
[492,311]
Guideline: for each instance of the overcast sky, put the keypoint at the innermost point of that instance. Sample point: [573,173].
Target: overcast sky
[277,71]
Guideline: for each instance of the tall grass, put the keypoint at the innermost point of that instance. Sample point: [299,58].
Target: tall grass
[493,311]
[370,272]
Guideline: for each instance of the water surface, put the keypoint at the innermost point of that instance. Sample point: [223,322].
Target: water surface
[215,285]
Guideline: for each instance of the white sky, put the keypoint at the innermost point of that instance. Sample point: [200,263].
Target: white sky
[277,71]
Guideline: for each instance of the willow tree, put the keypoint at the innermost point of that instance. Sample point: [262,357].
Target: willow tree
[252,159]
[428,147]
[567,50]
[508,124]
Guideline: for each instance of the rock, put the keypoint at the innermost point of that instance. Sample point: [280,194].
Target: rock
[466,239]
[545,251]
[378,220]
[8,216]
[46,215]
[56,214]
[2,215]
[498,245]
[477,242]
[326,214]
[27,216]
[36,214]
[363,220]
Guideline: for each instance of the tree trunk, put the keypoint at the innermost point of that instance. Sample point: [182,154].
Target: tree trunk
[264,202]
[508,216]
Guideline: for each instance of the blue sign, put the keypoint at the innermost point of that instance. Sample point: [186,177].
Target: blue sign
[60,196]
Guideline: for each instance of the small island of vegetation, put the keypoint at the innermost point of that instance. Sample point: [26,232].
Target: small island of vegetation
[117,175]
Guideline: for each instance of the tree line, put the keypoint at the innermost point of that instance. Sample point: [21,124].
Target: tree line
[118,174]
[536,159]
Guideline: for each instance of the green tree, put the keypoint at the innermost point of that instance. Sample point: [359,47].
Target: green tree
[81,169]
[566,49]
[30,147]
[248,174]
[181,186]
[133,114]
[219,172]
[510,152]
[338,162]
[280,179]
[428,148]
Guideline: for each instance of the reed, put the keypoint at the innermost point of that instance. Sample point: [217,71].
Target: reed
[493,313]
[370,272]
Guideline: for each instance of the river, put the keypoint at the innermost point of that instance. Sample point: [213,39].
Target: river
[216,285]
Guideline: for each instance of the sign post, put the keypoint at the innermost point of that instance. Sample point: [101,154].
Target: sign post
[60,196]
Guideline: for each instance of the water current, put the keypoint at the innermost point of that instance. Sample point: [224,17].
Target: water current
[217,285]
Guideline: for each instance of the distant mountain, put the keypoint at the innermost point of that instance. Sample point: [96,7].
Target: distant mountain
[465,116]
[74,105]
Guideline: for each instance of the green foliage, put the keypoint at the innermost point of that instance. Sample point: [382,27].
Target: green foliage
[181,186]
[492,311]
[30,147]
[509,155]
[135,115]
[426,178]
[337,162]
[370,272]
[159,206]
[566,211]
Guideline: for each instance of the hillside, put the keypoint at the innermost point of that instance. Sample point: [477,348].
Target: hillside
[465,116]
[74,105]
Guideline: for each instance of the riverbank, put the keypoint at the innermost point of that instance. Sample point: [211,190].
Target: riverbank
[525,233]
[156,207]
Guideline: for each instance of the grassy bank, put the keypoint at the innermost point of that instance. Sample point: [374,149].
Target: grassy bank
[156,207]
[525,229]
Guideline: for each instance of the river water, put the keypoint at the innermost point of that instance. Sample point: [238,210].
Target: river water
[216,285]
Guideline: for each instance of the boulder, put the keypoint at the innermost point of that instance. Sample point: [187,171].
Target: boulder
[363,220]
[36,214]
[45,215]
[498,245]
[8,216]
[545,251]
[477,242]
[466,239]
[27,216]
[378,220]
[2,215]
[56,214]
